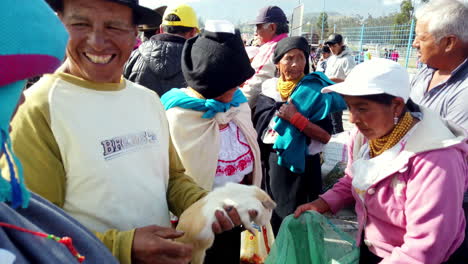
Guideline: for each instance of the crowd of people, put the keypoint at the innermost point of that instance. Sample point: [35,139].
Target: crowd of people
[118,134]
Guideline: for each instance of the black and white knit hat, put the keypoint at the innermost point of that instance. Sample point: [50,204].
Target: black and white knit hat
[215,61]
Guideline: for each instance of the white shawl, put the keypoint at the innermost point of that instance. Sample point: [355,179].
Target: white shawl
[197,140]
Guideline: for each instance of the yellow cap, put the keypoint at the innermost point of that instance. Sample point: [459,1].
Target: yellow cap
[187,16]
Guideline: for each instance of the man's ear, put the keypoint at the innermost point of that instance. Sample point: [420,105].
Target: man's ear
[192,33]
[451,42]
[161,29]
[273,27]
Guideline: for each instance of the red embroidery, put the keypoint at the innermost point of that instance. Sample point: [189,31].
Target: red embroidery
[242,164]
[238,165]
[230,170]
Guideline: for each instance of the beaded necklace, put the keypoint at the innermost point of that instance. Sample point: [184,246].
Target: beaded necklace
[67,241]
[379,145]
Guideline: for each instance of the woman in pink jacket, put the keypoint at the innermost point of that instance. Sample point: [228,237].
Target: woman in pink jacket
[407,172]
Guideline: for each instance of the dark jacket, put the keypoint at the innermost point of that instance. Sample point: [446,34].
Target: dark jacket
[156,64]
[44,217]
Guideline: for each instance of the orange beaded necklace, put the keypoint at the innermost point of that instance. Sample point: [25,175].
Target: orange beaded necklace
[379,145]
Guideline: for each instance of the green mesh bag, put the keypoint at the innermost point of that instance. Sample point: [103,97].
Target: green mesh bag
[312,239]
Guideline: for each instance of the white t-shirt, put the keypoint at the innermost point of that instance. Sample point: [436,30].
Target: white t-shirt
[339,66]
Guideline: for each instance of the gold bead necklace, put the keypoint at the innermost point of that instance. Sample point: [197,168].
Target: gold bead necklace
[379,145]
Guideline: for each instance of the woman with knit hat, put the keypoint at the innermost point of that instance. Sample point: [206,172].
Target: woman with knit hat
[407,172]
[210,121]
[32,230]
[292,124]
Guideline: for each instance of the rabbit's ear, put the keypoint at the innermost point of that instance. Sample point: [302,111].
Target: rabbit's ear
[269,204]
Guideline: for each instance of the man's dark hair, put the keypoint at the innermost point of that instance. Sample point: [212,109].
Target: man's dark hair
[282,28]
[58,7]
[326,49]
[178,30]
[149,33]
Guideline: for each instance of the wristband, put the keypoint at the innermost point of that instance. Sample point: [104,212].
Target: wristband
[299,121]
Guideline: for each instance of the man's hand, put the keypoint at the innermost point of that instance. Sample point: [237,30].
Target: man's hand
[227,223]
[318,205]
[154,245]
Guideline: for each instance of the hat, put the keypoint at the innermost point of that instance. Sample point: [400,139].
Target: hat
[377,76]
[288,44]
[291,43]
[26,50]
[215,61]
[29,49]
[143,15]
[187,16]
[156,23]
[270,14]
[334,38]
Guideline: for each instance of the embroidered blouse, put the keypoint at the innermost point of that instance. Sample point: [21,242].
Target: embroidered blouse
[235,159]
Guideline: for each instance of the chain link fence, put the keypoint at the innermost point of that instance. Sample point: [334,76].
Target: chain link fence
[391,42]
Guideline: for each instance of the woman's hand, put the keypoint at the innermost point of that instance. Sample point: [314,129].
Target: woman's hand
[287,111]
[318,205]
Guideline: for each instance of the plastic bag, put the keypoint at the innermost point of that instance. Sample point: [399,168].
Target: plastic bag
[255,248]
[312,239]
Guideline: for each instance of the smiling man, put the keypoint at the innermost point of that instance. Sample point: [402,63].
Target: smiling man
[99,146]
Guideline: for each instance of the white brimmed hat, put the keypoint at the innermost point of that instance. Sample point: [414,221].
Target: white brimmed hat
[377,76]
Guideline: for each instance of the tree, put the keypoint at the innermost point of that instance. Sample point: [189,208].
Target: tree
[406,13]
[345,22]
[323,18]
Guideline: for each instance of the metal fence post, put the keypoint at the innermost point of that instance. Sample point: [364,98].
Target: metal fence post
[361,42]
[410,42]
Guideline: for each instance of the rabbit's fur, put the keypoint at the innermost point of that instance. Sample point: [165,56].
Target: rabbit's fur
[197,220]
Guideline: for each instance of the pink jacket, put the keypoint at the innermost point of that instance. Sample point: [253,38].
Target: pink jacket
[264,70]
[413,214]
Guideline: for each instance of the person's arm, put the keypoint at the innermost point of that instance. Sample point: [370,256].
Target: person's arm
[348,65]
[331,201]
[119,243]
[182,190]
[311,130]
[433,208]
[36,147]
[265,69]
[336,80]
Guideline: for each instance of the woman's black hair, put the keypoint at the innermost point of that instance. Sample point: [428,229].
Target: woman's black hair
[386,99]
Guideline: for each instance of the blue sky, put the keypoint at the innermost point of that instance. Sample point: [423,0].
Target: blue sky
[246,10]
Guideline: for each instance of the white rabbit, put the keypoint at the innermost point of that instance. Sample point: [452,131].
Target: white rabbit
[197,220]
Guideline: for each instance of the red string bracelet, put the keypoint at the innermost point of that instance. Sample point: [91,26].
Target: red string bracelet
[64,240]
[299,121]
